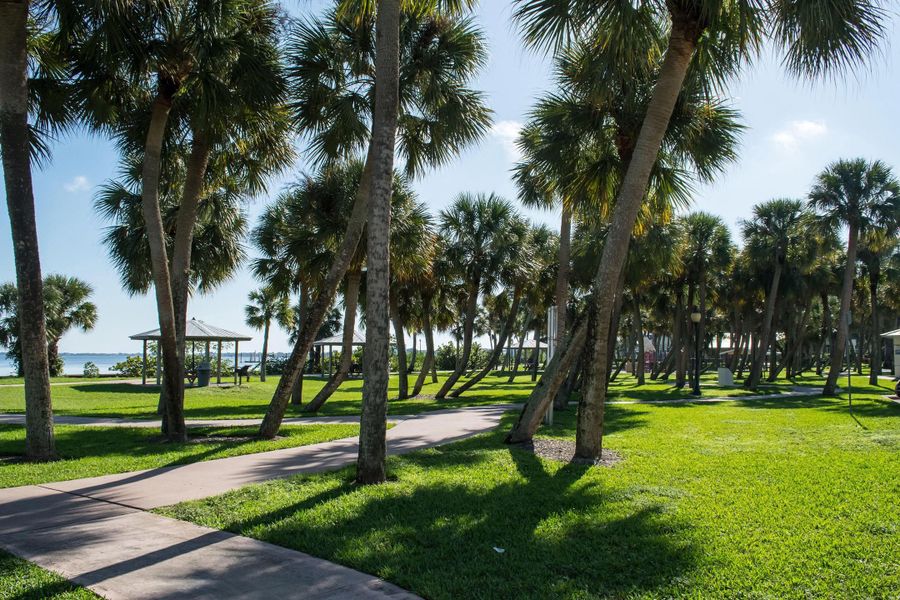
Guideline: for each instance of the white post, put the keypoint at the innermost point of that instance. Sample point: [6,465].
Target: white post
[237,377]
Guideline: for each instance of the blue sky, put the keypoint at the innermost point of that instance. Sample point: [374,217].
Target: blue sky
[794,130]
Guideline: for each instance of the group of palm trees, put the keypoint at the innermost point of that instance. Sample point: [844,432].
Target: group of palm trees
[205,101]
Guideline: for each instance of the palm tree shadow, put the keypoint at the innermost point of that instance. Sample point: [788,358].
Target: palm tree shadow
[454,537]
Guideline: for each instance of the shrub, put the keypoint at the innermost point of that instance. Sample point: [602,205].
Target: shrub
[91,370]
[132,367]
[445,357]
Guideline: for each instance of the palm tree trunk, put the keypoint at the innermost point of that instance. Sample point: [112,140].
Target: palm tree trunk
[316,313]
[518,359]
[351,301]
[402,370]
[265,351]
[562,276]
[468,328]
[548,387]
[840,342]
[639,331]
[414,357]
[537,353]
[173,365]
[683,337]
[752,382]
[14,135]
[184,235]
[682,42]
[494,358]
[826,332]
[875,362]
[370,466]
[428,361]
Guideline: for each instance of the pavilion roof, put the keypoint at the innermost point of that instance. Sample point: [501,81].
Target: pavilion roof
[338,339]
[197,330]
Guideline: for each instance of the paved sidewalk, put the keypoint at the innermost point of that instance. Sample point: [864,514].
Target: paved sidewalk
[95,532]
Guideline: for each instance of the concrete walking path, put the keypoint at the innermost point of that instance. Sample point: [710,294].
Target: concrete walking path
[797,391]
[95,532]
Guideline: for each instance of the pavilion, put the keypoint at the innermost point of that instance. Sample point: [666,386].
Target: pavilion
[894,336]
[338,340]
[196,331]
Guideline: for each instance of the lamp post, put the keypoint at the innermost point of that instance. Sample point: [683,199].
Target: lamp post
[695,319]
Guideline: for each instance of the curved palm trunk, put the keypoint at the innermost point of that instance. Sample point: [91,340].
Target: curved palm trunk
[14,135]
[548,387]
[428,361]
[875,363]
[173,365]
[468,328]
[402,369]
[562,276]
[351,300]
[537,353]
[325,296]
[840,342]
[494,358]
[682,42]
[370,466]
[184,235]
[753,379]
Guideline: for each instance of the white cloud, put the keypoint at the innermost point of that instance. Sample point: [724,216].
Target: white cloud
[798,132]
[79,184]
[507,132]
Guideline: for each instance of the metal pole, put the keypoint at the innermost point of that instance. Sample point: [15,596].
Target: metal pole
[219,363]
[144,366]
[237,378]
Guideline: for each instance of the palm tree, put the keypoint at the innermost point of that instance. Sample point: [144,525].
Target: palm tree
[481,238]
[707,34]
[67,306]
[330,67]
[266,305]
[770,235]
[874,252]
[167,73]
[863,196]
[534,259]
[30,86]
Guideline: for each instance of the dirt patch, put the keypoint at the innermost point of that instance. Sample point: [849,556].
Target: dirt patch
[564,451]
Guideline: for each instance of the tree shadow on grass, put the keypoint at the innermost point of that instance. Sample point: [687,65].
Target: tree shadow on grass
[436,531]
[115,388]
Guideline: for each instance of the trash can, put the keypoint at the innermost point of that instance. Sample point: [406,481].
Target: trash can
[203,371]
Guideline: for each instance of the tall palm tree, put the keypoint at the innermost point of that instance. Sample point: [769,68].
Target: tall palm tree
[874,252]
[770,235]
[168,72]
[267,305]
[862,196]
[533,260]
[330,66]
[706,34]
[481,238]
[29,87]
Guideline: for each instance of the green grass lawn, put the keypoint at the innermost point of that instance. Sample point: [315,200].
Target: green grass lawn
[251,399]
[91,451]
[21,580]
[779,498]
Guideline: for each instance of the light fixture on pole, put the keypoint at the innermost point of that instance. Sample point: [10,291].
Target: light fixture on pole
[695,319]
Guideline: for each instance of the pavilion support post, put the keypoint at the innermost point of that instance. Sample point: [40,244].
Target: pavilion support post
[219,364]
[158,370]
[237,377]
[144,366]
[207,351]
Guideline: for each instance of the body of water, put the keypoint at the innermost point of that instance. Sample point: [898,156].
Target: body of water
[74,362]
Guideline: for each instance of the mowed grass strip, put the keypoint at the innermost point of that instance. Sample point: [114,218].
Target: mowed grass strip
[92,451]
[250,400]
[22,580]
[781,498]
